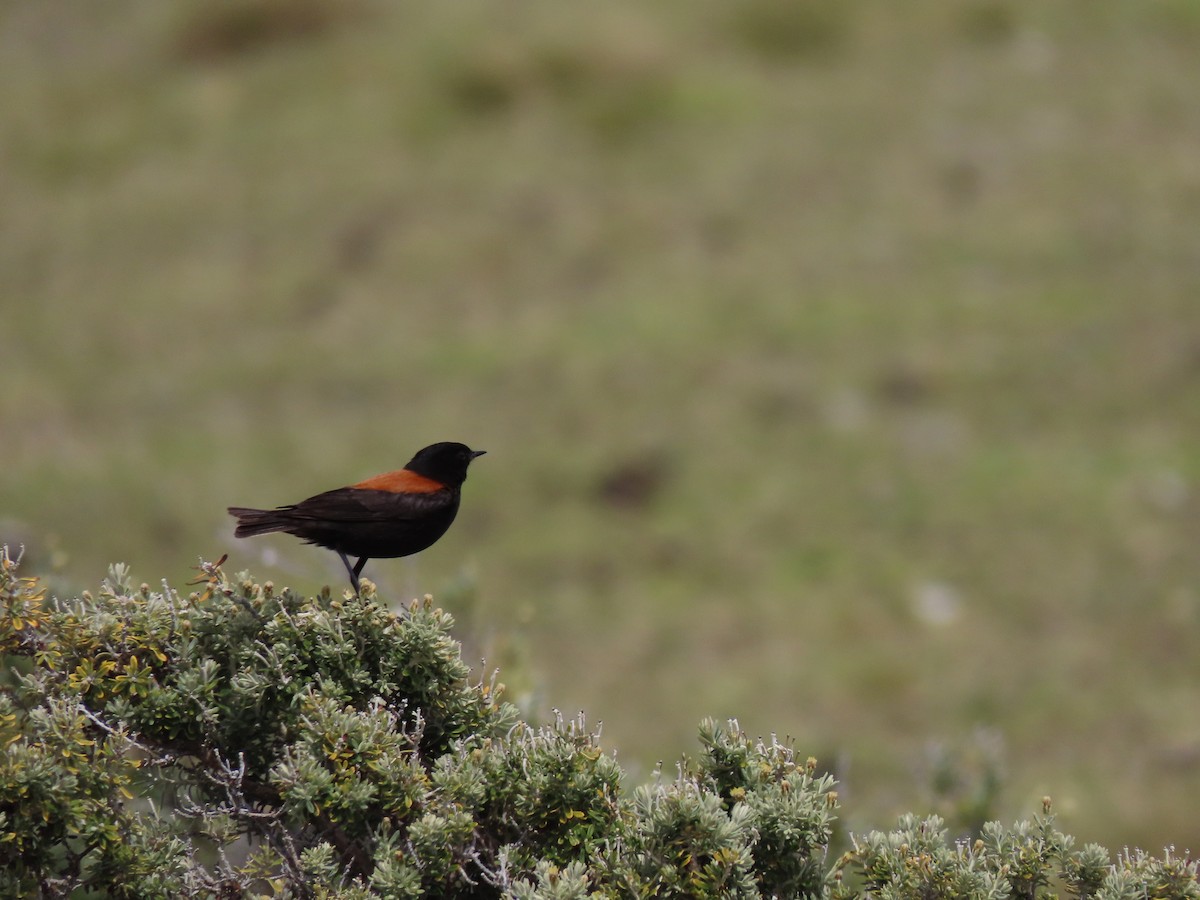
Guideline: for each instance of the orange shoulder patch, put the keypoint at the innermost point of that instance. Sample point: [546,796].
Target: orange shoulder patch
[402,481]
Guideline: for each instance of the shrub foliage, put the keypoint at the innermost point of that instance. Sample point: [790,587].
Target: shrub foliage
[243,741]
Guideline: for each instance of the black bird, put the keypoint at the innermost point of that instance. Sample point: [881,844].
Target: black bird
[391,515]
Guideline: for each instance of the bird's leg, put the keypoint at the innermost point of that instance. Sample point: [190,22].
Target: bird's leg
[358,567]
[352,571]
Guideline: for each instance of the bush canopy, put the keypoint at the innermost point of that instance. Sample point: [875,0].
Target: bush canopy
[242,741]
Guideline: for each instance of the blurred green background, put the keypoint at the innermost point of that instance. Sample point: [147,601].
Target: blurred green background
[838,363]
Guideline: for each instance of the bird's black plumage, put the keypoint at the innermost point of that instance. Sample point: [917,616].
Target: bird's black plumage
[391,515]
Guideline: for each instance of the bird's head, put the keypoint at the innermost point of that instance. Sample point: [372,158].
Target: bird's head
[446,462]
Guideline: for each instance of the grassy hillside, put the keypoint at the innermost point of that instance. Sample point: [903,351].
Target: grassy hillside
[838,364]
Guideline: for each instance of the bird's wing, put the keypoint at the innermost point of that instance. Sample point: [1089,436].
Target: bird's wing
[351,504]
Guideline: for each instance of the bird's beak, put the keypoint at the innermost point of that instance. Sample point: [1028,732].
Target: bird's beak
[476,453]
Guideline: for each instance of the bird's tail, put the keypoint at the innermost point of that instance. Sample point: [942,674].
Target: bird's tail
[256,521]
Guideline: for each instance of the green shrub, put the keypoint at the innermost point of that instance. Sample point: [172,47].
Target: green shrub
[247,742]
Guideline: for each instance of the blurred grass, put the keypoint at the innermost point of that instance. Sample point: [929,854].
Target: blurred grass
[839,364]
